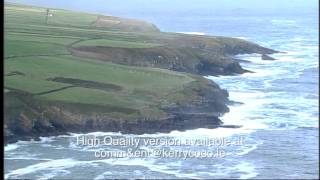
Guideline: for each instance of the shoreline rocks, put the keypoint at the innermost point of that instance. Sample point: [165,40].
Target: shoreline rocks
[204,55]
[36,118]
[266,57]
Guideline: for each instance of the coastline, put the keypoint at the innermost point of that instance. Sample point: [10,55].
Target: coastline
[196,103]
[181,118]
[123,80]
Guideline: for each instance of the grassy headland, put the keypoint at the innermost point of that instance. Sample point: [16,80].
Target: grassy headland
[72,71]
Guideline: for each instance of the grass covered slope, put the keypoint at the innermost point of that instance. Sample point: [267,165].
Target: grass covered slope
[133,42]
[48,90]
[39,75]
[37,16]
[204,55]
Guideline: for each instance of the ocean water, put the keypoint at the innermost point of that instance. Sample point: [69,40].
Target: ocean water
[279,114]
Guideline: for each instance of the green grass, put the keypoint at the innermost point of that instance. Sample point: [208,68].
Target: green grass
[39,51]
[77,32]
[89,96]
[29,44]
[30,85]
[85,69]
[31,48]
[61,40]
[22,14]
[116,43]
[31,20]
[69,18]
[154,83]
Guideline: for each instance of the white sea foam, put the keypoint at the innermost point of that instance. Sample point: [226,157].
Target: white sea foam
[282,21]
[245,149]
[240,115]
[11,147]
[253,58]
[24,157]
[206,133]
[263,73]
[47,139]
[103,175]
[247,170]
[97,133]
[52,165]
[52,174]
[150,164]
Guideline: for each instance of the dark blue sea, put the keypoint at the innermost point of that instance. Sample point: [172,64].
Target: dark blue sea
[279,115]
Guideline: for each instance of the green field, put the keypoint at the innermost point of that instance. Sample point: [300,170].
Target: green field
[36,52]
[115,43]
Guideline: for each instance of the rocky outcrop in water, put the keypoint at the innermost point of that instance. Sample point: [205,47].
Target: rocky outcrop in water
[183,53]
[266,57]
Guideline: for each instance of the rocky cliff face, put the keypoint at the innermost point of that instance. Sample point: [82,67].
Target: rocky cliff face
[183,53]
[203,103]
[200,103]
[27,117]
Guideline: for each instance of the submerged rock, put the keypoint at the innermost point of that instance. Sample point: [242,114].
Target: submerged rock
[266,57]
[230,126]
